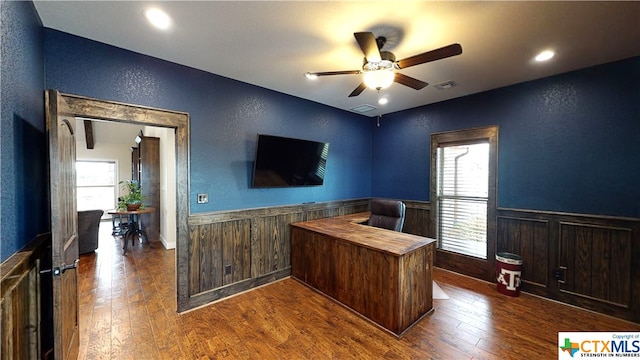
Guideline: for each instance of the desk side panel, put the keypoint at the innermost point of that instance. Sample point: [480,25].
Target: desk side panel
[364,280]
[416,286]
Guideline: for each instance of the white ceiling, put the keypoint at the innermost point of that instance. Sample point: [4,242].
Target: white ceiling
[108,132]
[273,43]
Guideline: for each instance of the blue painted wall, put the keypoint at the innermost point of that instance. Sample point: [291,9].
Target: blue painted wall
[226,116]
[23,154]
[567,143]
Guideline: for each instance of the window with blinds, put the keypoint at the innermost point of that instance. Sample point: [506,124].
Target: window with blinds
[462,196]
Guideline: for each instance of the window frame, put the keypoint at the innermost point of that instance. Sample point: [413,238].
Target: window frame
[467,199]
[465,264]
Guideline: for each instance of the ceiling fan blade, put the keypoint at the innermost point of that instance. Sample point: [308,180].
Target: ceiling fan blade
[437,54]
[409,81]
[369,46]
[358,90]
[327,73]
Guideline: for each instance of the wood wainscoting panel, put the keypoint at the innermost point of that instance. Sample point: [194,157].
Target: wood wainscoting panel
[355,207]
[271,245]
[597,262]
[315,211]
[598,255]
[236,254]
[219,254]
[313,214]
[528,238]
[417,217]
[21,305]
[590,261]
[18,325]
[234,251]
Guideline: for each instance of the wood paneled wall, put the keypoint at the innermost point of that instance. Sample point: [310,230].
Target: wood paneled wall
[234,251]
[585,260]
[528,238]
[416,220]
[589,261]
[20,330]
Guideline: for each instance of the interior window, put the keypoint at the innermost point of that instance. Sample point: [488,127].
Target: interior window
[96,185]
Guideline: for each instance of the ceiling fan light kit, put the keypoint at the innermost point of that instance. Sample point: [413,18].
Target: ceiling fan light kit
[379,67]
[378,79]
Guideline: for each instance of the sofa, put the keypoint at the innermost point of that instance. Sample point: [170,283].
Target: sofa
[88,226]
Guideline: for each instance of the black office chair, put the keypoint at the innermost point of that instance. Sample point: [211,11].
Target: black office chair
[387,214]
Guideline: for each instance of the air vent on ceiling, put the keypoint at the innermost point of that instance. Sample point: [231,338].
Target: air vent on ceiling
[446,85]
[363,108]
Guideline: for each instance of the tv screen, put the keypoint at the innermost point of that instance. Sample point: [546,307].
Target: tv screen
[284,162]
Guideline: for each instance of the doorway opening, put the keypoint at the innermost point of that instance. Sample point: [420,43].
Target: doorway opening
[120,145]
[178,124]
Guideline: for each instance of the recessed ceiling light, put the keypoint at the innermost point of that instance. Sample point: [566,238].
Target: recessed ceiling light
[158,18]
[383,101]
[545,55]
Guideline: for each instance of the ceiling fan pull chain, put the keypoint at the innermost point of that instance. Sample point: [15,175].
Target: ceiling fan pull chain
[379,115]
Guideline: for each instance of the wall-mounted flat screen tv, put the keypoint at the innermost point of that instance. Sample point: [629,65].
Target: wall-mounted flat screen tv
[285,162]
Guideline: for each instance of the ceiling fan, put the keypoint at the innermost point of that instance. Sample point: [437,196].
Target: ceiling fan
[379,66]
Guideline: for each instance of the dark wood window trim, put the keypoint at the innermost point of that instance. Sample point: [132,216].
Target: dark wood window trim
[468,265]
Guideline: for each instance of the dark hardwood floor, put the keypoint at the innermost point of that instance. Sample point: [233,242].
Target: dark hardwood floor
[128,311]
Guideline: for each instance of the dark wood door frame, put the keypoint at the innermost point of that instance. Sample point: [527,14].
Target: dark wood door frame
[64,226]
[141,115]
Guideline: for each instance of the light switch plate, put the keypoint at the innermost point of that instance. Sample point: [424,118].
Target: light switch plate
[203,198]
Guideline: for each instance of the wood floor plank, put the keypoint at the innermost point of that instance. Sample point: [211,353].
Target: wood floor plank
[128,311]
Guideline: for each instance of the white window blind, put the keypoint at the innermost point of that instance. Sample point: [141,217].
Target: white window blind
[462,196]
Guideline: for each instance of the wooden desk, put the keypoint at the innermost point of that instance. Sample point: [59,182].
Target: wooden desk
[133,225]
[383,275]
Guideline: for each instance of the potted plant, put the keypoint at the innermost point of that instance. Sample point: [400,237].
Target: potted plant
[133,200]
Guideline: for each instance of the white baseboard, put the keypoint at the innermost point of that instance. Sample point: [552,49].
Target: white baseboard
[167,245]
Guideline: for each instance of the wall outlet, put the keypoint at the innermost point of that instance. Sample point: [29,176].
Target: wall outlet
[203,198]
[559,273]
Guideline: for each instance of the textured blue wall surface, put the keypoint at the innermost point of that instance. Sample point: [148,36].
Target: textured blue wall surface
[567,143]
[226,116]
[23,166]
